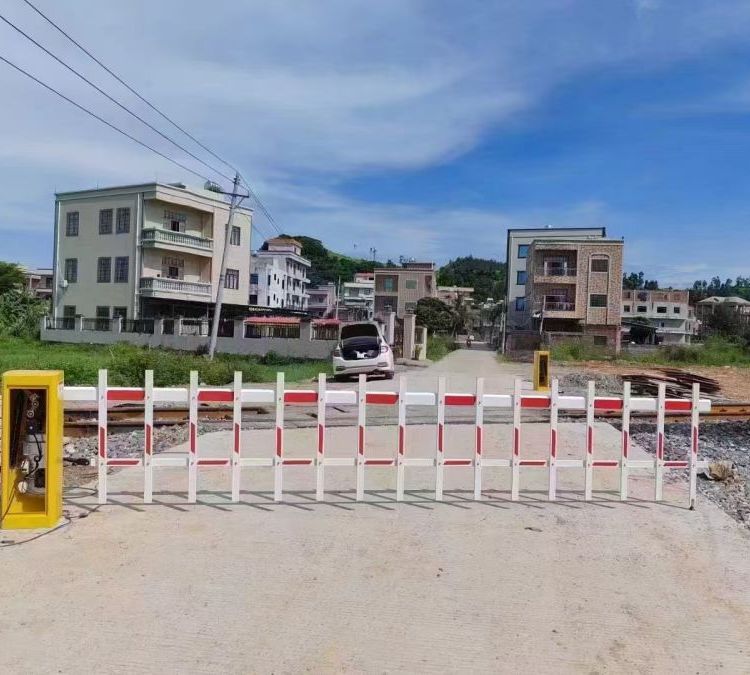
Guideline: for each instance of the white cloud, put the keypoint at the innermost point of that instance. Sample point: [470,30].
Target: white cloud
[305,95]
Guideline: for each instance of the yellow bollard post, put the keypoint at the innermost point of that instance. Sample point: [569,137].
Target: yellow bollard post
[541,371]
[31,459]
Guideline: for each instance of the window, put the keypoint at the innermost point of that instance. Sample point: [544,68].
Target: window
[600,340]
[105,221]
[676,310]
[48,282]
[642,309]
[102,312]
[122,266]
[104,270]
[71,270]
[597,300]
[410,284]
[174,221]
[254,299]
[523,250]
[123,220]
[661,309]
[600,265]
[521,277]
[388,284]
[410,307]
[69,311]
[234,238]
[626,308]
[172,272]
[71,224]
[120,312]
[521,303]
[232,279]
[253,278]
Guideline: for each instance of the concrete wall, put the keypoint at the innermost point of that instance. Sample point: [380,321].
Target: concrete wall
[303,347]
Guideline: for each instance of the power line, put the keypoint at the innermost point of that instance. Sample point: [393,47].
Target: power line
[111,98]
[254,195]
[128,87]
[102,120]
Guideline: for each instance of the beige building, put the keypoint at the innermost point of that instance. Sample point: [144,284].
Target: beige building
[397,289]
[151,250]
[451,294]
[668,313]
[39,282]
[574,288]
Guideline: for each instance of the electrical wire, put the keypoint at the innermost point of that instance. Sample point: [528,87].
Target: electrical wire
[102,120]
[128,87]
[132,90]
[112,99]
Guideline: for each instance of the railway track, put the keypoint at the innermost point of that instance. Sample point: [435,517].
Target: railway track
[81,422]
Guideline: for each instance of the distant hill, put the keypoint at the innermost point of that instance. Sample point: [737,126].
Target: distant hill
[328,266]
[486,276]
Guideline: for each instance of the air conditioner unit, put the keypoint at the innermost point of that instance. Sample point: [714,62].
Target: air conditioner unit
[64,283]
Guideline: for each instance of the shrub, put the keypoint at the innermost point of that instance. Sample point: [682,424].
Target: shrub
[439,346]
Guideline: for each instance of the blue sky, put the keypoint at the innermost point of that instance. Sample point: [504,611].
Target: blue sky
[421,128]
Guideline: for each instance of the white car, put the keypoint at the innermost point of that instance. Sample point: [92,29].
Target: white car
[362,349]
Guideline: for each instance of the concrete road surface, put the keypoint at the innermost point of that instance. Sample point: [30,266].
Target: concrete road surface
[380,587]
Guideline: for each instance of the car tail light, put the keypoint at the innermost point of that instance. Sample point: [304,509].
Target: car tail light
[384,348]
[337,352]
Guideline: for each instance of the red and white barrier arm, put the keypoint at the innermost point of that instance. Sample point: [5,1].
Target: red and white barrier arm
[236,436]
[401,452]
[659,470]
[478,438]
[148,437]
[440,440]
[625,443]
[193,438]
[361,420]
[516,442]
[321,440]
[101,394]
[694,421]
[552,488]
[279,439]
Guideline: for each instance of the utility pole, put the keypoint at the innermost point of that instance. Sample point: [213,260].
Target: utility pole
[223,272]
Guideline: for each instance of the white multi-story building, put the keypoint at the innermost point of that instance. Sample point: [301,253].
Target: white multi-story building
[667,313]
[279,275]
[143,251]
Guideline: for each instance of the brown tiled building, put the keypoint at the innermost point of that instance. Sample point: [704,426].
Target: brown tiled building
[397,289]
[574,290]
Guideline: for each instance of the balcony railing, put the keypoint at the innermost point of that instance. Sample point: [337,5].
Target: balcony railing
[63,323]
[153,236]
[163,285]
[556,271]
[559,306]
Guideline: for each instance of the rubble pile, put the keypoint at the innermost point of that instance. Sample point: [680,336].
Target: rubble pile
[577,383]
[725,444]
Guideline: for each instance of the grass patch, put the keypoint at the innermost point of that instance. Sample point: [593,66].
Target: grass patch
[714,352]
[439,346]
[126,364]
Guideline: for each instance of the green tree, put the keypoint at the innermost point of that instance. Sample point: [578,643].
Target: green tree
[725,322]
[435,315]
[11,277]
[486,276]
[20,313]
[636,281]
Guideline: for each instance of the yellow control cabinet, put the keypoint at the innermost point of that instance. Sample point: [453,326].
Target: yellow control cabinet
[541,371]
[31,460]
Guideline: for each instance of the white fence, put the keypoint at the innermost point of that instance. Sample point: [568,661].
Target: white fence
[401,399]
